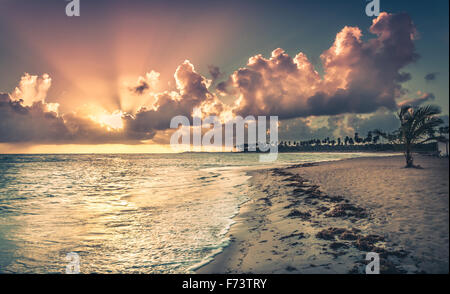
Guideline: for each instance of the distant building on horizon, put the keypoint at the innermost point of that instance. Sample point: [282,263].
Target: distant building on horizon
[443,147]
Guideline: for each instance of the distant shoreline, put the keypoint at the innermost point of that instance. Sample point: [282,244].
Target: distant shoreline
[430,148]
[422,148]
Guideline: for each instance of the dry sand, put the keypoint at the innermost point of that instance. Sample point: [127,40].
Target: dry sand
[325,218]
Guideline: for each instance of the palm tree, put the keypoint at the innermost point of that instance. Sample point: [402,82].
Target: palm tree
[417,126]
[369,137]
[376,139]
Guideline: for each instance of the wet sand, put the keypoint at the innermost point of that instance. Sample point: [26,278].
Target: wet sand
[325,218]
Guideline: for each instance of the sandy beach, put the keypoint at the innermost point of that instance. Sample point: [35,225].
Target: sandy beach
[325,217]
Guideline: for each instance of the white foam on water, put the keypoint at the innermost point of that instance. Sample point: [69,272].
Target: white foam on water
[139,213]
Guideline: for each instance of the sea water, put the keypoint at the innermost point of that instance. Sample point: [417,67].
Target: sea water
[124,213]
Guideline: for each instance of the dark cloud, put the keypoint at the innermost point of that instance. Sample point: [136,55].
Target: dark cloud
[214,71]
[192,93]
[403,77]
[147,82]
[21,123]
[226,88]
[431,76]
[141,88]
[35,123]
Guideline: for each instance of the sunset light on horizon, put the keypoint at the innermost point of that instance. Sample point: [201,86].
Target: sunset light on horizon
[119,79]
[216,145]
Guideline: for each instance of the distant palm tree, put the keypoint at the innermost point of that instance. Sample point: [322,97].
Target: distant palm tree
[376,139]
[417,126]
[369,137]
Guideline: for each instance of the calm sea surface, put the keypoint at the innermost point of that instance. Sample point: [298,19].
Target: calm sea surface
[148,213]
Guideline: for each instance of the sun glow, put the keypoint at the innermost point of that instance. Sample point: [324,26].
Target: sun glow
[112,121]
[148,147]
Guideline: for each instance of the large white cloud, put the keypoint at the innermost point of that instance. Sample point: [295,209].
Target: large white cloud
[359,77]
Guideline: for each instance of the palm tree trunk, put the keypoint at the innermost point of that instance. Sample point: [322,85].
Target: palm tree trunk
[408,155]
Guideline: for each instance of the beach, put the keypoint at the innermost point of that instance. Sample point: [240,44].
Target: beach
[125,213]
[325,217]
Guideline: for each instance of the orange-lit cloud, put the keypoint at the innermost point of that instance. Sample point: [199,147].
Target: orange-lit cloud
[359,77]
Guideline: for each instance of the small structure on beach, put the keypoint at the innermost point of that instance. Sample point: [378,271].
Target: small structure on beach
[443,148]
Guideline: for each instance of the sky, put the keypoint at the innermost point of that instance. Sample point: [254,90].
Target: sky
[111,79]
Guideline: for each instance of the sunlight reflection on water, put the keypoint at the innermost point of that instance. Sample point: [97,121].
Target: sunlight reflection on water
[148,213]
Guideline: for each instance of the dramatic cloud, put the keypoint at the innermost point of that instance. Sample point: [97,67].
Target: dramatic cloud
[32,89]
[25,116]
[34,120]
[35,123]
[192,92]
[360,77]
[22,123]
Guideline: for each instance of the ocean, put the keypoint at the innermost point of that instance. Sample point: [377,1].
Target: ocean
[124,213]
